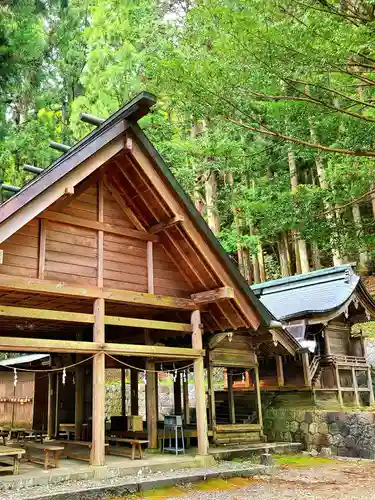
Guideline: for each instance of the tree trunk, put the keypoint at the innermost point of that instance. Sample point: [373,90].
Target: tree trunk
[363,256]
[336,257]
[246,263]
[213,217]
[262,269]
[283,258]
[256,269]
[373,200]
[300,247]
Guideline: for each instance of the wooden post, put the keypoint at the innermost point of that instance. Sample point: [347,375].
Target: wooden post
[306,367]
[79,400]
[177,395]
[355,386]
[211,398]
[57,404]
[151,399]
[259,399]
[327,344]
[232,411]
[338,385]
[200,393]
[50,417]
[152,431]
[280,370]
[134,391]
[371,389]
[123,391]
[185,397]
[98,389]
[150,267]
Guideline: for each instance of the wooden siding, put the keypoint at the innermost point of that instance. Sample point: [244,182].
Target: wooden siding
[338,334]
[21,252]
[18,414]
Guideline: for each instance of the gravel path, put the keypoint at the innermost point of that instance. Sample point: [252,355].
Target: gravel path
[341,480]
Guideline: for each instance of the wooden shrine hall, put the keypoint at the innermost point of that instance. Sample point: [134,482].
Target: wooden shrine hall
[104,256]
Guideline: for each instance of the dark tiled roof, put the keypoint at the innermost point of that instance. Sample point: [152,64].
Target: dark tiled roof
[309,294]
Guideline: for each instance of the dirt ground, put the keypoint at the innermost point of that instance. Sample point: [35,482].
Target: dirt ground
[312,479]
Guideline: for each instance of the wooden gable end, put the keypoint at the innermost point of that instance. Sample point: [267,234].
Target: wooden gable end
[67,249]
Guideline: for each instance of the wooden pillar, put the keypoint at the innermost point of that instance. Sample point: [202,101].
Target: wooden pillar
[338,385]
[151,398]
[151,405]
[200,393]
[177,395]
[280,370]
[327,344]
[50,402]
[123,392]
[185,397]
[211,398]
[98,389]
[306,367]
[157,397]
[355,386]
[134,391]
[259,399]
[79,400]
[370,387]
[232,411]
[57,404]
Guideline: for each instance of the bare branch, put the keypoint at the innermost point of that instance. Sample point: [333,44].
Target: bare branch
[271,133]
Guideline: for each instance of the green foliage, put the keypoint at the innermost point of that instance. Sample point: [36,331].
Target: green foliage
[228,73]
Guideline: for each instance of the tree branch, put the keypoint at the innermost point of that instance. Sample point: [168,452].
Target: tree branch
[271,133]
[349,203]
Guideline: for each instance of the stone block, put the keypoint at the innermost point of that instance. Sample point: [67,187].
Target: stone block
[304,426]
[267,459]
[314,453]
[325,452]
[313,428]
[334,428]
[299,416]
[294,426]
[323,428]
[308,417]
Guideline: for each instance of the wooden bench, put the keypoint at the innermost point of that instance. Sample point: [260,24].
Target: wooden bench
[52,454]
[136,444]
[16,453]
[71,454]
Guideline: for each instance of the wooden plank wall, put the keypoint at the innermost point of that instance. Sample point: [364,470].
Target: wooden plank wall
[339,340]
[52,250]
[21,252]
[23,413]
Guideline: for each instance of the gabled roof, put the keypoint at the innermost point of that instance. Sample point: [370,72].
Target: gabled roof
[315,293]
[44,190]
[19,360]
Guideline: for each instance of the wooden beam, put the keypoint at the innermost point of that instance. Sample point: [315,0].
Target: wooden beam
[75,169]
[50,406]
[232,410]
[148,323]
[61,289]
[355,386]
[306,368]
[177,395]
[259,399]
[209,296]
[194,234]
[27,312]
[79,399]
[19,344]
[157,228]
[200,393]
[134,391]
[211,397]
[42,249]
[98,226]
[127,210]
[100,236]
[279,370]
[338,385]
[57,404]
[123,392]
[370,387]
[98,389]
[150,267]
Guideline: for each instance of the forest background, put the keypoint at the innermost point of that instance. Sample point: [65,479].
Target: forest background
[265,114]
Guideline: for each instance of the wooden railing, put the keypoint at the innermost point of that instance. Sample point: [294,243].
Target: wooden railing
[342,359]
[314,366]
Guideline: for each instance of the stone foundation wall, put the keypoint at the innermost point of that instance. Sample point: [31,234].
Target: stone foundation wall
[349,434]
